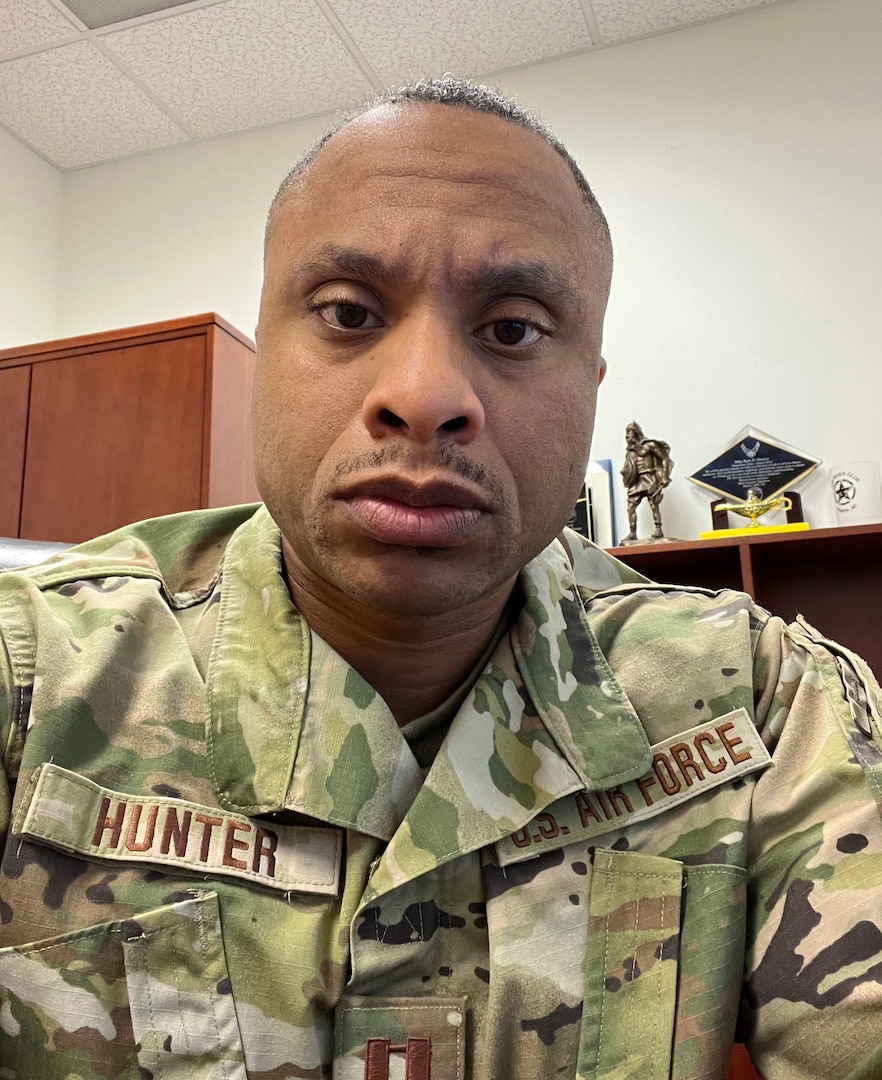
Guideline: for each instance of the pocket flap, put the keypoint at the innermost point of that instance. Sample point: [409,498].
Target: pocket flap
[183,1016]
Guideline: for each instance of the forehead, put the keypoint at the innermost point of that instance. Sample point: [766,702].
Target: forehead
[468,180]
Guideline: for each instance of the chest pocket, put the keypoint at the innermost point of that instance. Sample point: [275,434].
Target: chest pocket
[148,996]
[665,953]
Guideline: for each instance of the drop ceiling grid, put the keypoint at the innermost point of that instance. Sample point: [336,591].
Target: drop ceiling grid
[242,64]
[27,23]
[99,13]
[429,37]
[221,66]
[77,107]
[619,20]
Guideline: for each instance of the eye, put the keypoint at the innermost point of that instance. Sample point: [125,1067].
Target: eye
[513,333]
[345,315]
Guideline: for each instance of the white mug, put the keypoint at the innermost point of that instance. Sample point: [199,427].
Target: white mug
[856,489]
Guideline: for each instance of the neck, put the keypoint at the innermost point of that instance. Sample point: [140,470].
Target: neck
[415,662]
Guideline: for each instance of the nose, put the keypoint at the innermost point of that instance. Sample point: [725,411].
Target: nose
[422,387]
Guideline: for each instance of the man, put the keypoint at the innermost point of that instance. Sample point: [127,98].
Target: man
[646,473]
[383,780]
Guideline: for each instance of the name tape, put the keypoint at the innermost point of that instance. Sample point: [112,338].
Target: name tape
[72,813]
[683,767]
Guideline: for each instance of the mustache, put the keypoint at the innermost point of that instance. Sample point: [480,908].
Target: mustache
[446,457]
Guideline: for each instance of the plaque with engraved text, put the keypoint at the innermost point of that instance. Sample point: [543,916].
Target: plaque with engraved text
[754,461]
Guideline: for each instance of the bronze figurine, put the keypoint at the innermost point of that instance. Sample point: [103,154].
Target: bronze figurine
[646,473]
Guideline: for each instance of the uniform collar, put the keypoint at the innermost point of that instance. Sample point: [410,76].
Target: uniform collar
[294,727]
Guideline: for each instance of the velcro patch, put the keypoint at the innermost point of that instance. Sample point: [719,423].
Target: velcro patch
[72,813]
[687,765]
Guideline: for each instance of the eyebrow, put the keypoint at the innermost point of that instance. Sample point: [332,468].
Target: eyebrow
[525,278]
[519,277]
[335,259]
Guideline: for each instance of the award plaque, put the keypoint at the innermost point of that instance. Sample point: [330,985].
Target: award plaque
[751,473]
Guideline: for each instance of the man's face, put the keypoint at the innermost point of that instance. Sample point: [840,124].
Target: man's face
[428,358]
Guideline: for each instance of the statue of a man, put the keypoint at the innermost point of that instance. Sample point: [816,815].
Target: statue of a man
[646,473]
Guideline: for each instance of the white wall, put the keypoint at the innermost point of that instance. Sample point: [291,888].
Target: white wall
[740,165]
[30,220]
[173,233]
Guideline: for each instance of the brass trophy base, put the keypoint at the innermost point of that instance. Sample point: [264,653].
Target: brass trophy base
[649,540]
[759,530]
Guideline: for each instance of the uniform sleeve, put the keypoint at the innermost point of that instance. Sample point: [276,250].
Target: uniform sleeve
[813,980]
[16,680]
[9,749]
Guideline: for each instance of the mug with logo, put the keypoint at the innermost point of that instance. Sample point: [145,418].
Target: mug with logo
[856,488]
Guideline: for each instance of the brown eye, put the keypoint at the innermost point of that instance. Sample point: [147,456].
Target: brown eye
[510,331]
[345,315]
[513,332]
[350,316]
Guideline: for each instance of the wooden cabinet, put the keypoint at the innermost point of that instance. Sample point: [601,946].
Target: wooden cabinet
[15,385]
[109,428]
[831,576]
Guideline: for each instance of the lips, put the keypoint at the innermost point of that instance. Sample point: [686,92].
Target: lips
[415,513]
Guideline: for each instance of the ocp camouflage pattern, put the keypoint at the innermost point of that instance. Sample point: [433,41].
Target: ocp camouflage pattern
[655,816]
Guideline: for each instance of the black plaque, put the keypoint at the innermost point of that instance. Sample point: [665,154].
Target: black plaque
[754,461]
[582,519]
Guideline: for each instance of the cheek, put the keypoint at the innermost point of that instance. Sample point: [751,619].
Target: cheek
[298,414]
[549,443]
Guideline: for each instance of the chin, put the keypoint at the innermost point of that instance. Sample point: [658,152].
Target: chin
[421,587]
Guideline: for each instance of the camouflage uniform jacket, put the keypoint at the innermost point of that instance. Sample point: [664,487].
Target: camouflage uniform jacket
[657,806]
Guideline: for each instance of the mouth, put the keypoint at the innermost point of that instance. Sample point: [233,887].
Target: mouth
[434,513]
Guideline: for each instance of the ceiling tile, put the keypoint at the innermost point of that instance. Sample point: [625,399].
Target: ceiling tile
[243,64]
[95,13]
[621,19]
[25,23]
[431,37]
[75,107]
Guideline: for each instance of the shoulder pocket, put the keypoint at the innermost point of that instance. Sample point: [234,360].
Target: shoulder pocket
[859,686]
[663,968]
[856,697]
[148,996]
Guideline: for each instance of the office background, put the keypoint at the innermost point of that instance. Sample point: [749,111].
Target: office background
[739,162]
